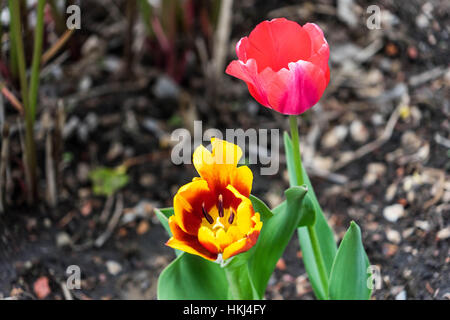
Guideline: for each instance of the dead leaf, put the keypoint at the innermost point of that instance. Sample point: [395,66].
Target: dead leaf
[41,287]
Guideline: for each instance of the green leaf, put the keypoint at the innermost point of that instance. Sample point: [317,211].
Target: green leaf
[240,283]
[275,235]
[107,181]
[348,279]
[308,212]
[163,217]
[190,277]
[325,234]
[262,208]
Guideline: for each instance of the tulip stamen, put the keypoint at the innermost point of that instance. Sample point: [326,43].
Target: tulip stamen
[231,218]
[218,224]
[220,206]
[207,215]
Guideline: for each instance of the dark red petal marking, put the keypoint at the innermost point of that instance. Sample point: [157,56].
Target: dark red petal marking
[231,218]
[220,206]
[206,214]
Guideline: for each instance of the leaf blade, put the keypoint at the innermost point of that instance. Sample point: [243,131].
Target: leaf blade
[348,279]
[275,235]
[189,277]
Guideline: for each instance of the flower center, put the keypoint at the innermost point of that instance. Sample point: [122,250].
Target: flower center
[218,217]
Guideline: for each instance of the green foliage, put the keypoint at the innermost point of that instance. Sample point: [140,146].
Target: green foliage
[348,279]
[107,181]
[262,208]
[163,216]
[275,235]
[194,278]
[325,234]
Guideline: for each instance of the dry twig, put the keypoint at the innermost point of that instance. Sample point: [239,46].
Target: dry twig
[100,241]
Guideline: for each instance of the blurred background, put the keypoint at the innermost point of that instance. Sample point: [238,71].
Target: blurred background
[86,117]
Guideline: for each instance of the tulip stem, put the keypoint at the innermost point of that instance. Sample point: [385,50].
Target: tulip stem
[296,146]
[299,178]
[318,257]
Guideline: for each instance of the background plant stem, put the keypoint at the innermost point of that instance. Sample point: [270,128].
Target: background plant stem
[311,230]
[30,148]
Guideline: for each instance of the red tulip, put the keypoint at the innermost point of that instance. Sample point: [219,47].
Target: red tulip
[284,65]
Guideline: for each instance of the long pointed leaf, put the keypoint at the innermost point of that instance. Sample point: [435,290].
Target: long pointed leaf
[348,280]
[275,235]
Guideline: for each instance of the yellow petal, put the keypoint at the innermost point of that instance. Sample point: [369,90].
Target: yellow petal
[242,180]
[242,245]
[225,152]
[208,240]
[244,211]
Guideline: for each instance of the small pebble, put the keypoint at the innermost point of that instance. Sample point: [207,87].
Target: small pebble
[444,234]
[334,136]
[401,295]
[63,239]
[393,236]
[113,267]
[394,212]
[359,132]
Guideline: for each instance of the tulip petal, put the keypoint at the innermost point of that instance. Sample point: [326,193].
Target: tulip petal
[242,180]
[208,240]
[217,167]
[242,245]
[320,51]
[248,72]
[275,43]
[188,205]
[225,152]
[305,87]
[244,211]
[186,242]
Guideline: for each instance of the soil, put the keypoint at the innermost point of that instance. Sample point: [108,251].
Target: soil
[119,114]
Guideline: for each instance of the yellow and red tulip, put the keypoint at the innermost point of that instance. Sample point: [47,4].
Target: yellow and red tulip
[213,214]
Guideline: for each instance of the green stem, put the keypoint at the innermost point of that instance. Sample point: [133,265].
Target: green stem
[318,256]
[30,148]
[311,230]
[37,52]
[296,149]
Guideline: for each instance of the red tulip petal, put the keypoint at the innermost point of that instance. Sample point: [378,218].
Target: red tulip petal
[186,242]
[249,73]
[188,204]
[275,43]
[303,90]
[320,51]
